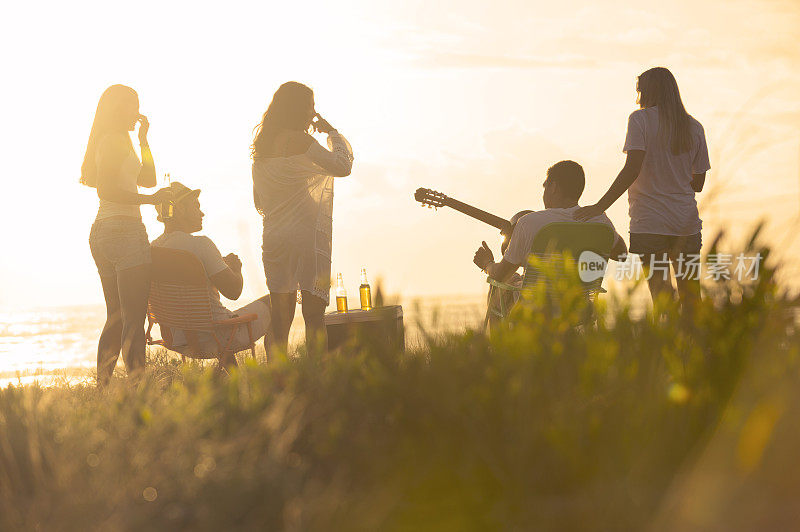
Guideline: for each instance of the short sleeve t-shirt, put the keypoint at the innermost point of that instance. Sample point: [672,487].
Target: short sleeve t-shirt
[661,200]
[204,249]
[529,225]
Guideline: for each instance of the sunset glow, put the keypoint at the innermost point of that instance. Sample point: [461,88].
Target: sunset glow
[469,98]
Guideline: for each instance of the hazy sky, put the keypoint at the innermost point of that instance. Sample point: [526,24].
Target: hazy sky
[472,98]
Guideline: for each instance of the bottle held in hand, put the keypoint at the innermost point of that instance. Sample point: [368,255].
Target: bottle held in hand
[167,208]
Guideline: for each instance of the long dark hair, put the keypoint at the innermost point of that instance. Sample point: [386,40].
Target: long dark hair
[107,119]
[287,110]
[657,86]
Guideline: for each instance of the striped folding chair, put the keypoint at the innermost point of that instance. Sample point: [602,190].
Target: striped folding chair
[180,298]
[554,257]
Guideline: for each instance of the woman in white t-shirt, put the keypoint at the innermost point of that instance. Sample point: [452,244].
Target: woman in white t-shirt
[293,190]
[666,165]
[118,240]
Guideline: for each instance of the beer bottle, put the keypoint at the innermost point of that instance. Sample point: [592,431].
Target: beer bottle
[341,295]
[364,291]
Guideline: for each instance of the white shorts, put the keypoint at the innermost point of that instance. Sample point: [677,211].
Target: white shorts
[260,327]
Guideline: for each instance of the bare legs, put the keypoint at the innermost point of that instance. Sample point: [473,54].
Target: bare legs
[283,308]
[314,316]
[282,315]
[688,290]
[126,305]
[111,338]
[659,280]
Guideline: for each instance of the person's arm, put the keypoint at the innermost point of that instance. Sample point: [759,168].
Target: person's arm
[229,281]
[625,178]
[700,161]
[698,181]
[112,153]
[500,271]
[338,161]
[620,251]
[147,175]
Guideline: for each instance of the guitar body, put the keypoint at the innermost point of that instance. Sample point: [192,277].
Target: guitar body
[435,199]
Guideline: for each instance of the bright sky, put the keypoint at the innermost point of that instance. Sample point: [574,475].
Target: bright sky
[472,98]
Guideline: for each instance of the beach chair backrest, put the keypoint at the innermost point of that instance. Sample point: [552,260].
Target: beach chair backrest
[558,246]
[179,291]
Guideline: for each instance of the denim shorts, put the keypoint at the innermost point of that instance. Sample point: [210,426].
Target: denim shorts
[651,244]
[118,244]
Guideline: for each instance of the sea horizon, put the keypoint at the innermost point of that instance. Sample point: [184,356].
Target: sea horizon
[42,343]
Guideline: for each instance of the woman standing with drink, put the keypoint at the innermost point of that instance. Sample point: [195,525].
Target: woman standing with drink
[666,165]
[118,240]
[293,190]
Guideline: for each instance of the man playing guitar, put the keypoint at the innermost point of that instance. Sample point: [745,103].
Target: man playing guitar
[562,189]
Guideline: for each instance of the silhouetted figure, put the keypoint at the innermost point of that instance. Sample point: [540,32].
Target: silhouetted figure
[562,190]
[293,191]
[666,165]
[118,239]
[224,275]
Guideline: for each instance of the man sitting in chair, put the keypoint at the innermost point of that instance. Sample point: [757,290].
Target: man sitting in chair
[224,273]
[562,189]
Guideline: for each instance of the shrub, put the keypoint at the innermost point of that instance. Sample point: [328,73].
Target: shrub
[546,424]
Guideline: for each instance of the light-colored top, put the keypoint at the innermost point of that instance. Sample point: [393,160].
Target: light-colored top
[128,176]
[204,249]
[529,225]
[295,196]
[661,200]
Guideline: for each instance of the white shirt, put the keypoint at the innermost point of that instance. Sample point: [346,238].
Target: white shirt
[529,225]
[661,200]
[204,249]
[295,196]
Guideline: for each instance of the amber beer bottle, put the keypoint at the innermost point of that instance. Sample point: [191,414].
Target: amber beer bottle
[341,294]
[364,291]
[167,210]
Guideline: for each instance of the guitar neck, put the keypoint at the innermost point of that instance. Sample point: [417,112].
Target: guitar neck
[473,212]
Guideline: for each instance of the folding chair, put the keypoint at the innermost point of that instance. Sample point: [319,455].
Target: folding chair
[556,248]
[180,298]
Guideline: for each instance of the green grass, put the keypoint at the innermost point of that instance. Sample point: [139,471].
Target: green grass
[544,425]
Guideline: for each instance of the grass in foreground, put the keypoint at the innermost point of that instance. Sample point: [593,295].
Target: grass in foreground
[546,425]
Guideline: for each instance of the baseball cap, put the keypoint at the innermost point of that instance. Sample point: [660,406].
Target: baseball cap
[180,192]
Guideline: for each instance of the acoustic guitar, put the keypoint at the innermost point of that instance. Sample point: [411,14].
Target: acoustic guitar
[434,199]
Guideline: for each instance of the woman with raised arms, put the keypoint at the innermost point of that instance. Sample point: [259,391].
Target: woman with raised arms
[293,190]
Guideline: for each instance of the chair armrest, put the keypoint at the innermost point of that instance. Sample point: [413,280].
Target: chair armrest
[504,286]
[244,318]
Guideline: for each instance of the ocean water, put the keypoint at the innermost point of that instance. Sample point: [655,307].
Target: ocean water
[48,342]
[47,345]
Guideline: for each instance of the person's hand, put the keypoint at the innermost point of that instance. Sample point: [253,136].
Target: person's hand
[587,213]
[233,262]
[161,196]
[144,126]
[483,257]
[322,125]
